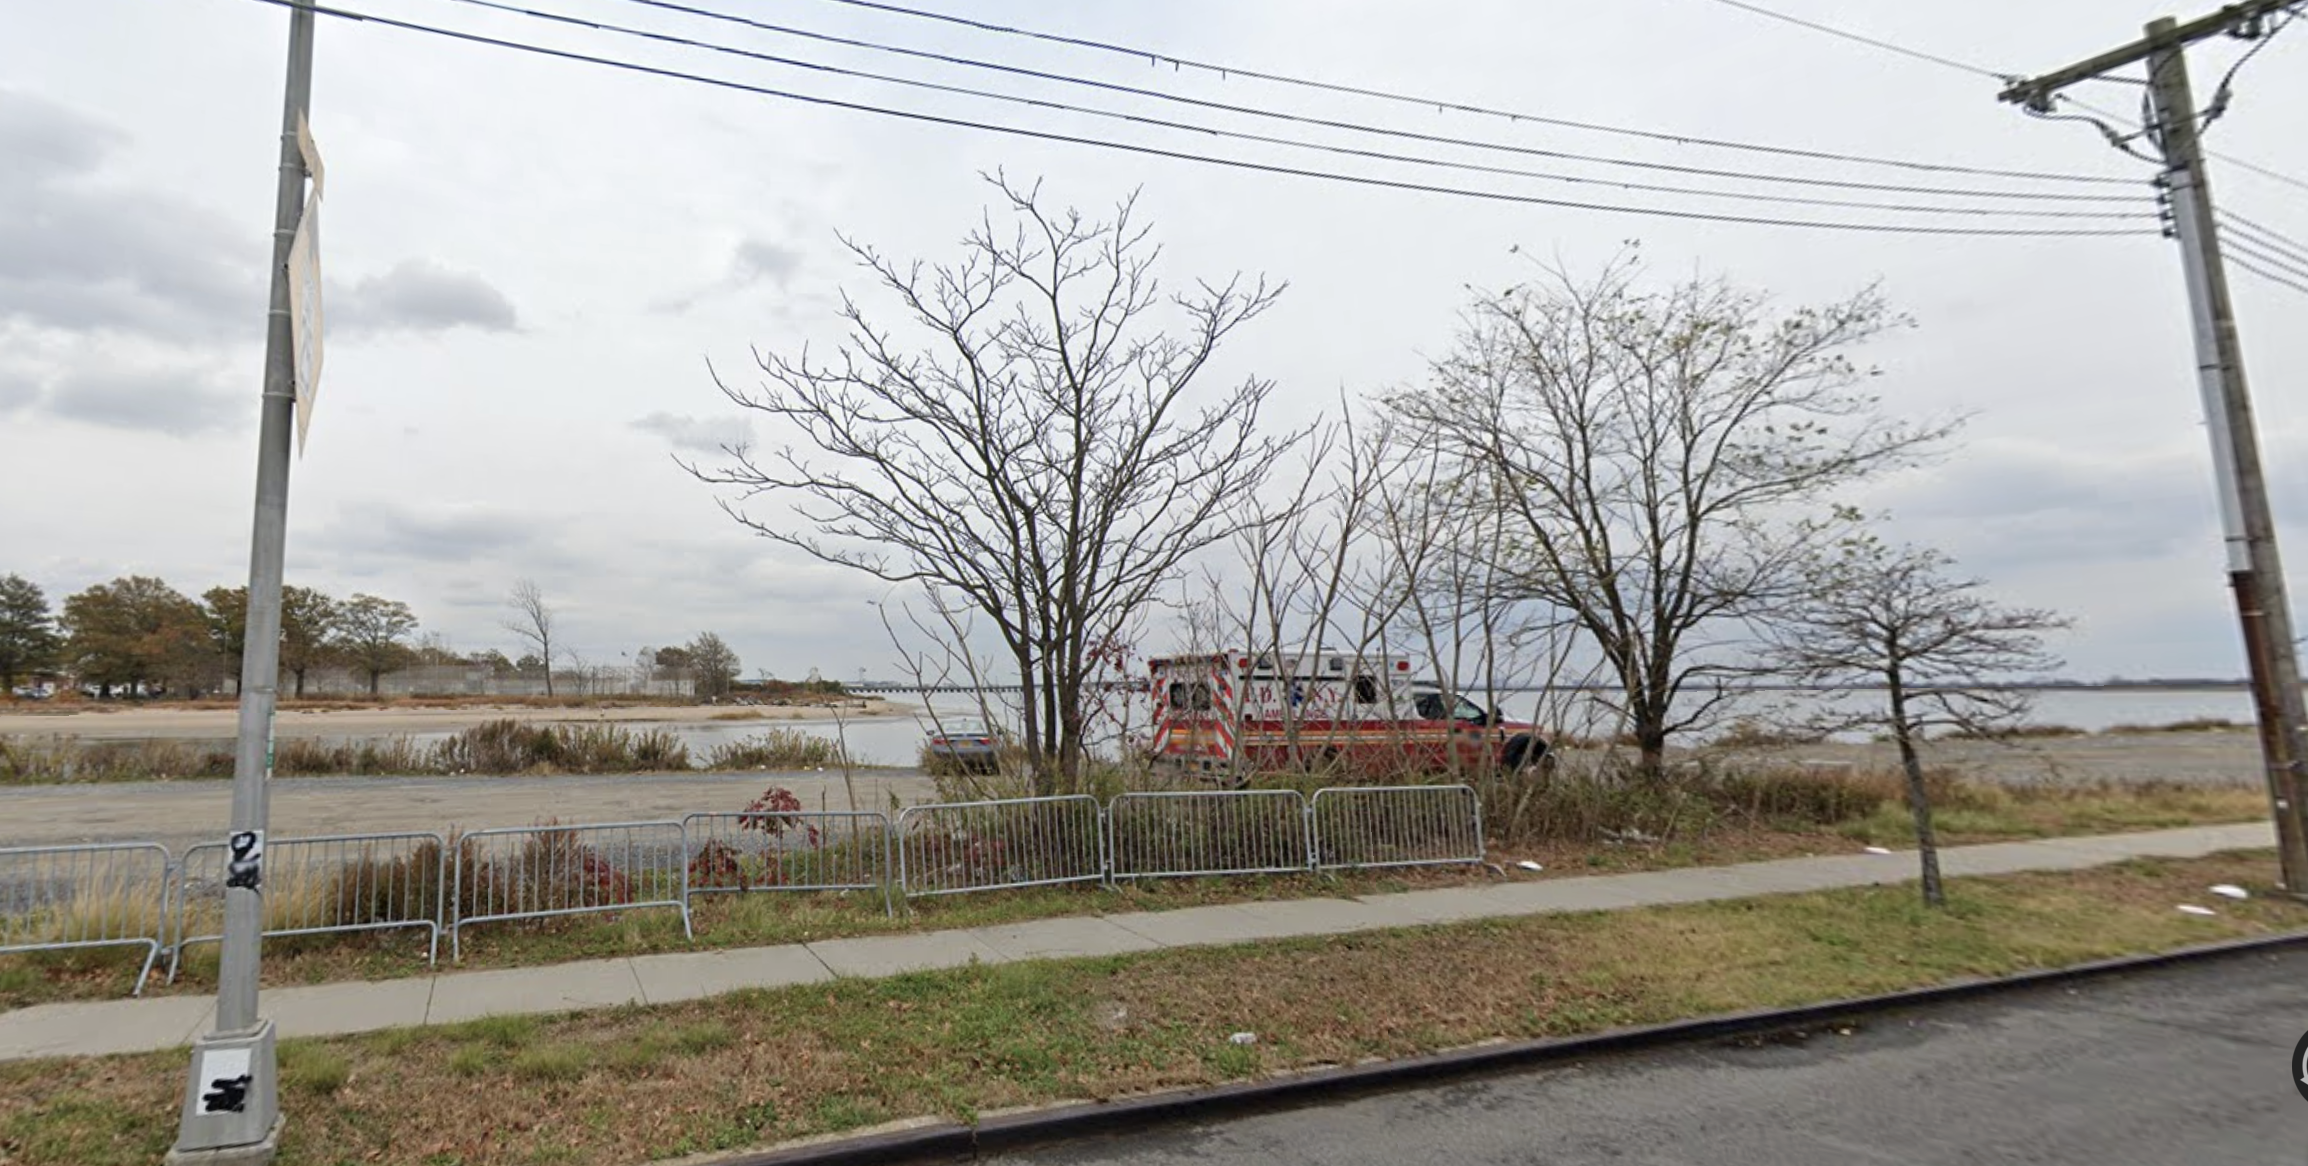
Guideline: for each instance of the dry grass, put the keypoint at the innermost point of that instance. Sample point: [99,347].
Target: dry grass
[634,1084]
[776,749]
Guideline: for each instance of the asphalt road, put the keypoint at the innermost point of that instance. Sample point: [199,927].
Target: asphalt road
[2176,1067]
[179,813]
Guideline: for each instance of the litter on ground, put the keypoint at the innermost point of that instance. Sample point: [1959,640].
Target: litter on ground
[1527,864]
[2231,891]
[2193,909]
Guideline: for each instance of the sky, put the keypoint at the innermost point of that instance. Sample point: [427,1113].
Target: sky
[533,267]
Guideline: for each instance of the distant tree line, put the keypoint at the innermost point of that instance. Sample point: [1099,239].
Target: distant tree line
[136,635]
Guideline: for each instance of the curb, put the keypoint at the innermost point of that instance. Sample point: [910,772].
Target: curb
[953,1141]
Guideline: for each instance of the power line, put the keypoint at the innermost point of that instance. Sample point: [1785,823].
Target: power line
[2271,277]
[1979,71]
[1299,144]
[1187,156]
[2264,235]
[1887,46]
[1302,119]
[2222,92]
[2279,261]
[1154,56]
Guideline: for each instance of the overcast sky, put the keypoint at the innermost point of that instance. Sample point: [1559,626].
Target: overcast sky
[530,262]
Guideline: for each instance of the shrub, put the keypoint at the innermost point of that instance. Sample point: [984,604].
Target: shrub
[1816,797]
[777,749]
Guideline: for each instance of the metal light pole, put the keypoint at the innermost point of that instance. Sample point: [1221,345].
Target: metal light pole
[231,1102]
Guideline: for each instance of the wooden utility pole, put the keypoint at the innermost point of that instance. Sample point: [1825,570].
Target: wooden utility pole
[2255,571]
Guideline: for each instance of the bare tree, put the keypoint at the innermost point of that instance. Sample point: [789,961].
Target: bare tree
[1041,454]
[1661,458]
[533,621]
[1879,616]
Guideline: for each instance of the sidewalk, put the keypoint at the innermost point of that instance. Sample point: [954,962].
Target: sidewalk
[124,1026]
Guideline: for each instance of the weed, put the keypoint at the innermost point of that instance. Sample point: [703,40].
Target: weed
[551,1063]
[471,1060]
[313,1069]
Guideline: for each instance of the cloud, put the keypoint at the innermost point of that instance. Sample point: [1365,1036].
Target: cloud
[419,295]
[380,530]
[753,261]
[16,394]
[697,434]
[2004,505]
[43,137]
[81,256]
[759,259]
[156,400]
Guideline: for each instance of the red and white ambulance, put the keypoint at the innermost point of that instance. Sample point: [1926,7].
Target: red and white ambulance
[1244,711]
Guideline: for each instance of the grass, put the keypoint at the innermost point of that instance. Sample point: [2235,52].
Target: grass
[796,1062]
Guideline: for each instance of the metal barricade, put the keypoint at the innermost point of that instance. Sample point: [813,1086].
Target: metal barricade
[104,895]
[1403,825]
[1014,842]
[540,872]
[327,883]
[802,850]
[1212,832]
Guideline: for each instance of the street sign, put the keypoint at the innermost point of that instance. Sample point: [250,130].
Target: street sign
[304,273]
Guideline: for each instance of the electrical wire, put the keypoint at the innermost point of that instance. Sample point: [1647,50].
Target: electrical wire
[2238,249]
[2143,214]
[1156,57]
[2271,277]
[2223,91]
[919,116]
[1887,46]
[2264,235]
[1981,71]
[1302,119]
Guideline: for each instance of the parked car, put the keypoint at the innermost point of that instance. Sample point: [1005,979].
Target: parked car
[968,742]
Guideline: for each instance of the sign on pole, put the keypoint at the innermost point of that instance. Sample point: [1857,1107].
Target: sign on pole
[304,271]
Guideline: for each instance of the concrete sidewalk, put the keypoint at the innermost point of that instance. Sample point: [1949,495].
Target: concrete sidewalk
[122,1026]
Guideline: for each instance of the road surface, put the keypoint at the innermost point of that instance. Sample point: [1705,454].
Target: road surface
[2186,1066]
[179,813]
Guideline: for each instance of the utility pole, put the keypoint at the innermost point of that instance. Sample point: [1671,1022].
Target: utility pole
[231,1102]
[2255,571]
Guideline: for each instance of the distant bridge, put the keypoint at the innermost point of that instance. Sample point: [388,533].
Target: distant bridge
[947,689]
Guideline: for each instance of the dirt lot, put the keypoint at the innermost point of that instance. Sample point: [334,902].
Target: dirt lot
[95,722]
[2212,757]
[179,813]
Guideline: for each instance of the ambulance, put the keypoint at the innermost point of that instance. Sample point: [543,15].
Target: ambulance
[1239,711]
